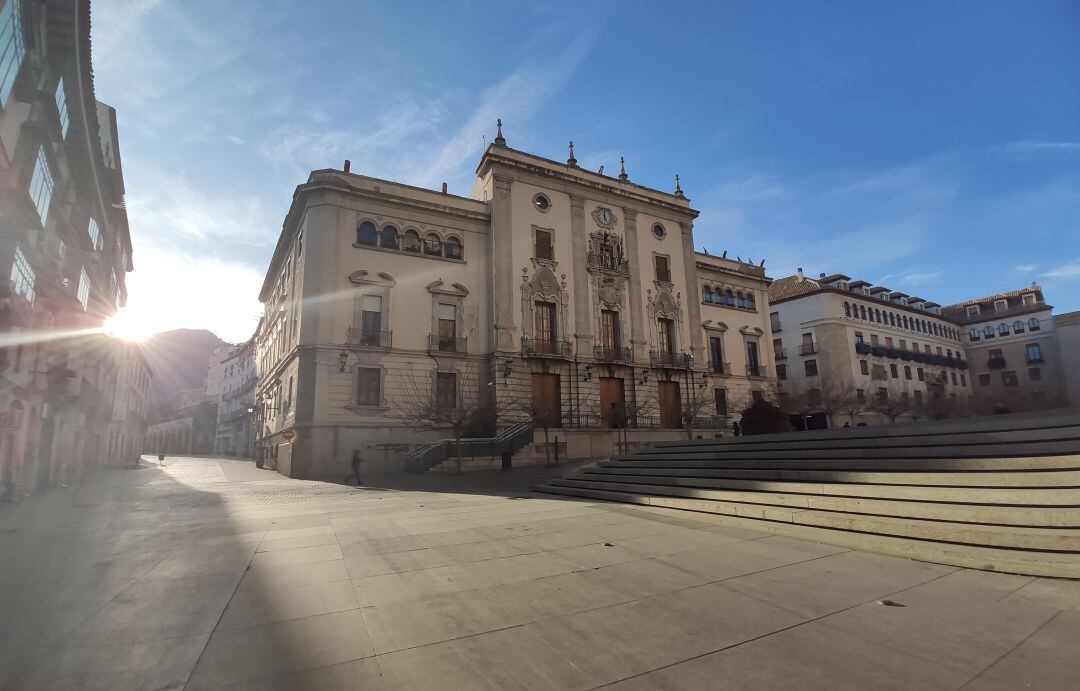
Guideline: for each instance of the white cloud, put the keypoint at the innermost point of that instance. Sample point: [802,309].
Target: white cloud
[1068,270]
[1025,268]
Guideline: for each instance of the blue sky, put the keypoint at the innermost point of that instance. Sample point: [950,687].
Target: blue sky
[933,147]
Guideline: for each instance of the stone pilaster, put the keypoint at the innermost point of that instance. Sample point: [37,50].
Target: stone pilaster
[579,247]
[638,338]
[693,307]
[502,230]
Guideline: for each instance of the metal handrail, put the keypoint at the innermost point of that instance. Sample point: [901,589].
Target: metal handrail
[512,439]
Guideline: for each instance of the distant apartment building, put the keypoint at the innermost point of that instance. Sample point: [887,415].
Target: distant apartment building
[65,250]
[856,352]
[1013,350]
[549,293]
[189,431]
[131,404]
[231,382]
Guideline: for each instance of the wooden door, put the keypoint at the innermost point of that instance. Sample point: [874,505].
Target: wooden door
[612,402]
[670,405]
[546,400]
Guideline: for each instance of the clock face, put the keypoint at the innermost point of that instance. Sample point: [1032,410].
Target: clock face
[604,216]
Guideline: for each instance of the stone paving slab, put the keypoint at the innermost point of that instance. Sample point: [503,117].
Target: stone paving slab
[209,573]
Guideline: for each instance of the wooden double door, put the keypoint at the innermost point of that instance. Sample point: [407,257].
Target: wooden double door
[670,405]
[546,399]
[612,402]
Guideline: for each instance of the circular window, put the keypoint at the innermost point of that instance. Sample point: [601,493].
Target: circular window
[542,202]
[658,231]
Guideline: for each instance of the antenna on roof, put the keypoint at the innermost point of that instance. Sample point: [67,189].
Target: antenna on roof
[601,171]
[724,255]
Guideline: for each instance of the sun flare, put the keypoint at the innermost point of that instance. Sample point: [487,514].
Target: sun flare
[127,326]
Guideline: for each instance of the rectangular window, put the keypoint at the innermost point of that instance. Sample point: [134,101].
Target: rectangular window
[368,385]
[778,348]
[757,395]
[716,354]
[290,400]
[545,322]
[370,320]
[920,374]
[1029,298]
[12,49]
[882,394]
[720,396]
[963,380]
[610,335]
[864,366]
[1034,373]
[22,276]
[907,372]
[543,248]
[984,380]
[888,342]
[446,390]
[972,311]
[41,185]
[774,321]
[1034,352]
[753,366]
[858,337]
[811,368]
[61,107]
[953,378]
[903,344]
[84,288]
[873,339]
[1001,305]
[447,316]
[667,336]
[895,371]
[1009,378]
[918,397]
[94,231]
[663,270]
[781,372]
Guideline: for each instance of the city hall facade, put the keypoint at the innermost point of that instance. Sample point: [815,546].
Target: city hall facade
[550,293]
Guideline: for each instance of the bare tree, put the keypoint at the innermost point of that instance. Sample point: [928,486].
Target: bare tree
[694,407]
[891,407]
[836,397]
[459,409]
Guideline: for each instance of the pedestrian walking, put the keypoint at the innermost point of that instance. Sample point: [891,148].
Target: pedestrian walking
[356,460]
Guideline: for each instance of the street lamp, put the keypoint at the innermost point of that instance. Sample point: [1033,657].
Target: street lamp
[343,357]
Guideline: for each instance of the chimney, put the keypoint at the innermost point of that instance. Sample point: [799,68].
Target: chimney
[822,275]
[799,273]
[348,164]
[444,188]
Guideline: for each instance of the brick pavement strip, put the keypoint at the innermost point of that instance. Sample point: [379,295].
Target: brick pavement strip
[208,573]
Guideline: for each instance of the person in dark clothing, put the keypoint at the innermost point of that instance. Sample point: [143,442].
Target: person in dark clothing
[736,429]
[356,466]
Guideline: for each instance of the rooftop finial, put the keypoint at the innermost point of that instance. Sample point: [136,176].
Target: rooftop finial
[499,139]
[622,169]
[571,161]
[678,188]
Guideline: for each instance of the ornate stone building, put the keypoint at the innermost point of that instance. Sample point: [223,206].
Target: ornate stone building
[550,293]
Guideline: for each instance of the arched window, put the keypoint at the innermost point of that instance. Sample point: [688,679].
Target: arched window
[389,238]
[729,298]
[433,245]
[706,294]
[988,331]
[411,241]
[892,319]
[1018,326]
[877,315]
[452,248]
[750,303]
[862,312]
[847,310]
[366,234]
[1003,329]
[740,301]
[1033,324]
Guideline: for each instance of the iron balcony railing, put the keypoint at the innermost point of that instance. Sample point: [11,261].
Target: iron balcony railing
[996,363]
[719,367]
[663,358]
[781,354]
[755,369]
[862,348]
[613,354]
[606,261]
[1034,359]
[369,339]
[539,347]
[447,344]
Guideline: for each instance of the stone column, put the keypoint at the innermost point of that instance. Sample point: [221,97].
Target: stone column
[693,306]
[638,339]
[502,229]
[579,249]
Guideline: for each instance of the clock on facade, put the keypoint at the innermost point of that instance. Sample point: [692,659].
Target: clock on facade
[603,217]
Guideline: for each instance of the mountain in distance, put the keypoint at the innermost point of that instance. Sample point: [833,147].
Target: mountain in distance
[179,360]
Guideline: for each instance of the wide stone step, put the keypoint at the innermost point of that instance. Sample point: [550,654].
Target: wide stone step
[1062,462]
[882,534]
[961,495]
[1058,517]
[797,441]
[929,451]
[999,478]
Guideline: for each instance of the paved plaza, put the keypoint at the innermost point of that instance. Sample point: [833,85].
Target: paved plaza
[209,573]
